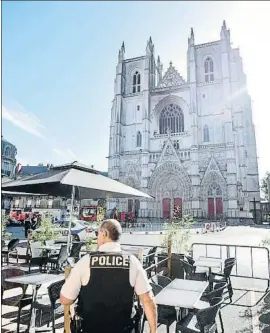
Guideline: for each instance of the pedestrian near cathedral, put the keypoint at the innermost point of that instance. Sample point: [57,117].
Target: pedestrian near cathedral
[105,282]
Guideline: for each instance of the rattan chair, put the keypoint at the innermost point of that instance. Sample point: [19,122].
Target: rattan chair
[21,300]
[207,298]
[57,263]
[51,303]
[75,251]
[267,299]
[161,280]
[10,249]
[149,261]
[38,257]
[224,277]
[191,261]
[264,318]
[203,321]
[166,314]
[191,272]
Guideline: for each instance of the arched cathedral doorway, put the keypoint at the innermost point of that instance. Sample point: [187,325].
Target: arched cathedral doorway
[170,186]
[215,203]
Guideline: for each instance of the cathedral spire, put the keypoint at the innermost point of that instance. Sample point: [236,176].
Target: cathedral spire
[191,38]
[121,53]
[123,47]
[192,33]
[224,33]
[159,70]
[150,46]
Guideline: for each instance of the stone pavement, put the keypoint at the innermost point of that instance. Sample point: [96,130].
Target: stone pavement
[236,319]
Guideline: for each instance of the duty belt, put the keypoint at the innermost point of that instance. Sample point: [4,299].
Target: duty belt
[134,327]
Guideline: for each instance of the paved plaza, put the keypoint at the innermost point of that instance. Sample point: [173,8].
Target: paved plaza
[236,319]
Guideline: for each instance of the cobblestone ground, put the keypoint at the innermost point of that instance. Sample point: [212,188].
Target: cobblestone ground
[236,319]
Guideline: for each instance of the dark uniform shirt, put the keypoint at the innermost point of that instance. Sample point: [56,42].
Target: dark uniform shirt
[106,293]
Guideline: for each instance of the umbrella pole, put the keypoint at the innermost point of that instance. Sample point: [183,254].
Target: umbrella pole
[70,218]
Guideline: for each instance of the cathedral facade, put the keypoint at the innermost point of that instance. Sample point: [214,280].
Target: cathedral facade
[188,143]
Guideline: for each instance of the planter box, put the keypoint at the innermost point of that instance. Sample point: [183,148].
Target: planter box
[177,269]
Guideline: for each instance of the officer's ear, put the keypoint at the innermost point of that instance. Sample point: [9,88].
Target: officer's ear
[104,233]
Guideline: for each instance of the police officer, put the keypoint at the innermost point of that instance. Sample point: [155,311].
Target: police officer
[104,283]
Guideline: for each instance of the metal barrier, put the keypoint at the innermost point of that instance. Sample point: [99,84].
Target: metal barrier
[162,227]
[158,263]
[252,266]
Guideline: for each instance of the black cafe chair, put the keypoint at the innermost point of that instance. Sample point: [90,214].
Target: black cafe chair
[166,314]
[10,250]
[202,321]
[19,300]
[161,280]
[51,303]
[191,274]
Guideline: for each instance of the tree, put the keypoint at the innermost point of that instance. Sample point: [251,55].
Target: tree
[178,231]
[264,185]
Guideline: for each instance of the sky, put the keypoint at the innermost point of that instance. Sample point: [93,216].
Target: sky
[59,61]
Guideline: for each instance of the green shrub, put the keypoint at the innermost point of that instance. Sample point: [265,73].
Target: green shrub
[46,231]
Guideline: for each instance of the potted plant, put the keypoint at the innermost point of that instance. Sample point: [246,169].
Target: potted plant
[178,234]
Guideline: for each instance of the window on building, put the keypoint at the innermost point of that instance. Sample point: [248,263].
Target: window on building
[214,190]
[136,82]
[206,134]
[7,151]
[208,70]
[139,139]
[171,119]
[138,107]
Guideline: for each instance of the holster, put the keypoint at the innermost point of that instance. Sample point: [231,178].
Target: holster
[76,323]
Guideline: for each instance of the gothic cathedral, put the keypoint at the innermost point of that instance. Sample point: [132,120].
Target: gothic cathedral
[188,143]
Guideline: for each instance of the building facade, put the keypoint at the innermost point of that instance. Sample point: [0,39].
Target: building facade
[189,143]
[9,152]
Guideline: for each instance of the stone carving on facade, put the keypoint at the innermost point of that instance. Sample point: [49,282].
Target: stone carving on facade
[131,181]
[170,178]
[212,166]
[213,180]
[214,190]
[168,153]
[171,78]
[187,165]
[132,168]
[166,100]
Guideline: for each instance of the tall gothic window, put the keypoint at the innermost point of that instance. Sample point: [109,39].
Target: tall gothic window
[171,119]
[206,134]
[136,82]
[214,190]
[208,70]
[7,151]
[139,139]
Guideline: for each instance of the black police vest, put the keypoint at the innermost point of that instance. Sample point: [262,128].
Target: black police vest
[105,303]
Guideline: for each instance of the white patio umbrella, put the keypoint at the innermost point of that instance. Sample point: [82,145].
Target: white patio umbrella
[73,180]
